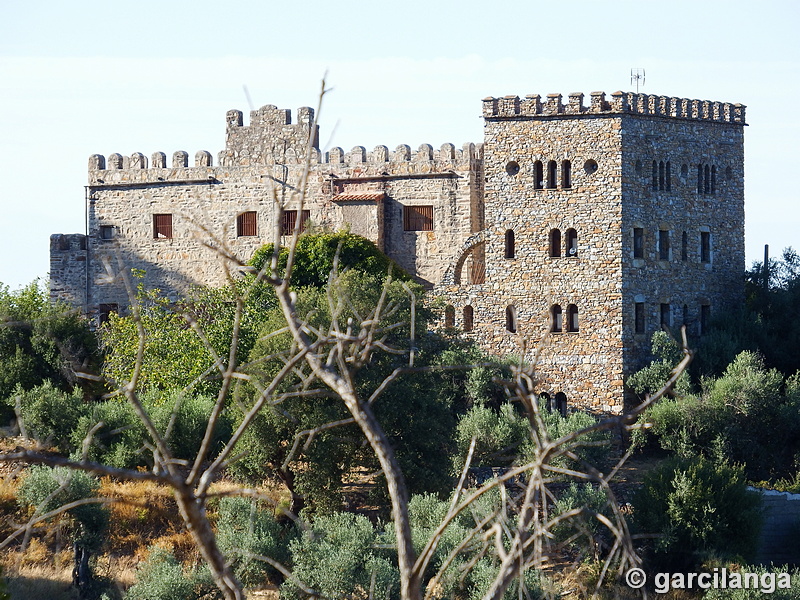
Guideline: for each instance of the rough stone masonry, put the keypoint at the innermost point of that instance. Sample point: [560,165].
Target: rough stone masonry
[570,234]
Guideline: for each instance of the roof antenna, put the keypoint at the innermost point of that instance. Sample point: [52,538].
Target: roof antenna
[637,75]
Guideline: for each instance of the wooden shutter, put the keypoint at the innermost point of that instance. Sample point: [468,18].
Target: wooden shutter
[162,226]
[246,224]
[418,218]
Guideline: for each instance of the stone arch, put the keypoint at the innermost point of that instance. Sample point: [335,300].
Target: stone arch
[473,244]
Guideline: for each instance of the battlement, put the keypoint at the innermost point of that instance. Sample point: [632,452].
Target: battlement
[447,153]
[621,103]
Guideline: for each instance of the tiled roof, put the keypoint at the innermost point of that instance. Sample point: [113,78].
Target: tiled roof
[374,196]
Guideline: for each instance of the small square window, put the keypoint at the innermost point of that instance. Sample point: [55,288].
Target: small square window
[162,227]
[246,224]
[107,232]
[290,220]
[418,218]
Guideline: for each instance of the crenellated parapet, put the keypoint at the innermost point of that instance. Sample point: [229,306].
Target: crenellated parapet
[447,154]
[553,105]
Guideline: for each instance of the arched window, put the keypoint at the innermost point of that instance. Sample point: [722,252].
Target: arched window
[669,177]
[684,246]
[662,182]
[655,176]
[561,403]
[555,243]
[572,318]
[572,243]
[707,180]
[511,318]
[552,174]
[556,324]
[538,175]
[566,174]
[509,251]
[468,317]
[713,179]
[449,316]
[700,179]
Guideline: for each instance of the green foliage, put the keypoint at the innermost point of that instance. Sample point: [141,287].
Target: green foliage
[47,488]
[652,378]
[122,440]
[162,577]
[701,510]
[337,559]
[246,530]
[175,355]
[4,595]
[315,254]
[593,501]
[40,341]
[49,414]
[742,416]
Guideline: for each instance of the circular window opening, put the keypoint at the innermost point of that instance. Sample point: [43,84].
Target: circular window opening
[512,168]
[638,167]
[590,166]
[684,171]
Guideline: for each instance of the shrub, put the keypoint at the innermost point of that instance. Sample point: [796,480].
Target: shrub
[337,559]
[161,577]
[699,509]
[50,414]
[245,530]
[766,582]
[48,488]
[589,529]
[652,378]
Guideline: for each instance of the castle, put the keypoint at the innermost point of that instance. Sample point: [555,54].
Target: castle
[581,227]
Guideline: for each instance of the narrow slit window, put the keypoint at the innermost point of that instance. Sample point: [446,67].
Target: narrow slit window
[469,318]
[669,177]
[566,174]
[418,218]
[552,169]
[572,243]
[557,325]
[510,250]
[162,227]
[638,317]
[246,224]
[705,246]
[538,175]
[705,318]
[555,243]
[662,181]
[666,315]
[663,244]
[511,319]
[638,242]
[572,318]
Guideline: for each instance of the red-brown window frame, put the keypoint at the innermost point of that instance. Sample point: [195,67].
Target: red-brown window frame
[418,218]
[247,224]
[162,226]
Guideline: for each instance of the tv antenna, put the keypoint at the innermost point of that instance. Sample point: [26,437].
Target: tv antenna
[637,75]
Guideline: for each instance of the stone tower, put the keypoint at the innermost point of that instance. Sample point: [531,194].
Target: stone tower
[604,223]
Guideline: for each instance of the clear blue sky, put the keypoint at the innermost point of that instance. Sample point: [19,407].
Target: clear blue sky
[78,78]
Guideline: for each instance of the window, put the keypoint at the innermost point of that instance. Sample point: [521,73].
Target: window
[705,318]
[572,318]
[706,179]
[638,242]
[418,218]
[290,220]
[566,174]
[669,177]
[663,244]
[699,179]
[538,175]
[246,224]
[705,246]
[555,243]
[684,246]
[572,243]
[655,176]
[561,403]
[662,176]
[552,169]
[509,250]
[449,316]
[511,319]
[162,227]
[105,310]
[107,232]
[638,317]
[469,317]
[556,325]
[666,315]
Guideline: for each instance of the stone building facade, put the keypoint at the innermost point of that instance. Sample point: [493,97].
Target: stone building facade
[570,234]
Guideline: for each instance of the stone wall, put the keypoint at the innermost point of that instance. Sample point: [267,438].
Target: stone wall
[781,526]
